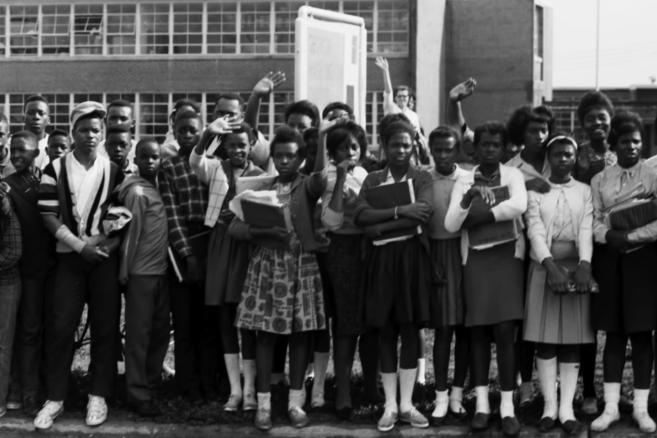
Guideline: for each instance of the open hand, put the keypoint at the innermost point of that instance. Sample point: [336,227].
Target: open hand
[382,63]
[483,192]
[267,84]
[462,90]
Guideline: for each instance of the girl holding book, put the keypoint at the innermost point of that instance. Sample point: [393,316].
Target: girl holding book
[493,267]
[228,258]
[557,308]
[624,263]
[346,141]
[282,293]
[398,271]
[447,299]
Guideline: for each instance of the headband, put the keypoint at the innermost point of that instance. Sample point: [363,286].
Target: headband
[560,138]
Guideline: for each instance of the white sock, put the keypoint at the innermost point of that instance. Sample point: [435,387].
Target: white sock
[612,396]
[640,402]
[406,385]
[568,374]
[233,370]
[320,364]
[482,399]
[547,377]
[296,399]
[264,400]
[456,399]
[249,375]
[442,401]
[389,381]
[421,371]
[506,404]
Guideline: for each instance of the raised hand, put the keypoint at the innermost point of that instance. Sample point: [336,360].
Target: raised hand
[462,90]
[267,84]
[382,63]
[221,126]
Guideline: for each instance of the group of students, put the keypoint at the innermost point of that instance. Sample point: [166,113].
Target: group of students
[235,289]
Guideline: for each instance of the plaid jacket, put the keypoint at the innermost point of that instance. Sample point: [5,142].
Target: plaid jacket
[185,200]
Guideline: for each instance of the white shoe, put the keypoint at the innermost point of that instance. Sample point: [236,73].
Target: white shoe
[46,416]
[645,422]
[96,411]
[605,420]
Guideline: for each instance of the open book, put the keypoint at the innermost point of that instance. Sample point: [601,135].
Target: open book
[496,233]
[391,196]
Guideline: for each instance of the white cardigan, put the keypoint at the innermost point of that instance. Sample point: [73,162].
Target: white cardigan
[512,208]
[540,219]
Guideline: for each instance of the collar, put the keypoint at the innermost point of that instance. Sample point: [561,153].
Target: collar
[488,179]
[452,176]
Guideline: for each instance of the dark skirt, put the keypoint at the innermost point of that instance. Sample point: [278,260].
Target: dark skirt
[447,299]
[398,281]
[493,280]
[344,266]
[627,302]
[228,261]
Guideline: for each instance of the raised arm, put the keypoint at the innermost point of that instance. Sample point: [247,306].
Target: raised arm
[458,93]
[261,89]
[200,164]
[389,105]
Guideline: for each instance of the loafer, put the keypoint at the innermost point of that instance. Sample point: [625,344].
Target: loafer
[344,414]
[146,408]
[298,417]
[47,415]
[30,406]
[546,424]
[263,419]
[573,427]
[480,421]
[414,418]
[510,426]
[387,421]
[233,403]
[249,403]
[436,421]
[96,411]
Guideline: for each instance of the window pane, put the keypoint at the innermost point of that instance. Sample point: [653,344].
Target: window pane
[83,97]
[222,35]
[121,29]
[3,43]
[154,29]
[392,32]
[154,115]
[255,28]
[88,29]
[331,5]
[16,113]
[365,10]
[59,110]
[187,27]
[55,33]
[24,31]
[286,13]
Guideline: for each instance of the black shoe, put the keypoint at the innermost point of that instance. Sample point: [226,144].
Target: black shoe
[344,414]
[546,424]
[573,427]
[30,406]
[146,408]
[510,426]
[480,421]
[436,421]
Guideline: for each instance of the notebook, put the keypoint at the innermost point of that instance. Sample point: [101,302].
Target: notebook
[390,196]
[496,233]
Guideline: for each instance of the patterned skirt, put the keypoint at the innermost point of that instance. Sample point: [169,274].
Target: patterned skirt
[282,292]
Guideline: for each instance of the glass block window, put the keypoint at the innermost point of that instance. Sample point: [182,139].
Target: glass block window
[154,115]
[364,9]
[88,29]
[222,28]
[55,29]
[24,30]
[154,37]
[187,27]
[286,13]
[121,35]
[392,26]
[254,29]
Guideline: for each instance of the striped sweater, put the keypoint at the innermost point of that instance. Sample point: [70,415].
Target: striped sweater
[59,196]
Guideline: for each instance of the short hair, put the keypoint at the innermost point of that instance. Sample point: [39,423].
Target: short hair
[593,99]
[624,122]
[397,127]
[243,128]
[522,117]
[492,128]
[56,132]
[142,141]
[337,134]
[399,88]
[27,136]
[443,132]
[117,130]
[187,114]
[391,118]
[35,98]
[285,134]
[305,107]
[181,103]
[230,96]
[337,105]
[120,103]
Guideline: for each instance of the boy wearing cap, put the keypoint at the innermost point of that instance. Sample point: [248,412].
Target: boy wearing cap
[73,197]
[143,268]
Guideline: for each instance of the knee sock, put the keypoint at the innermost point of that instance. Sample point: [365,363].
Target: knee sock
[389,381]
[233,370]
[547,377]
[568,373]
[249,375]
[406,385]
